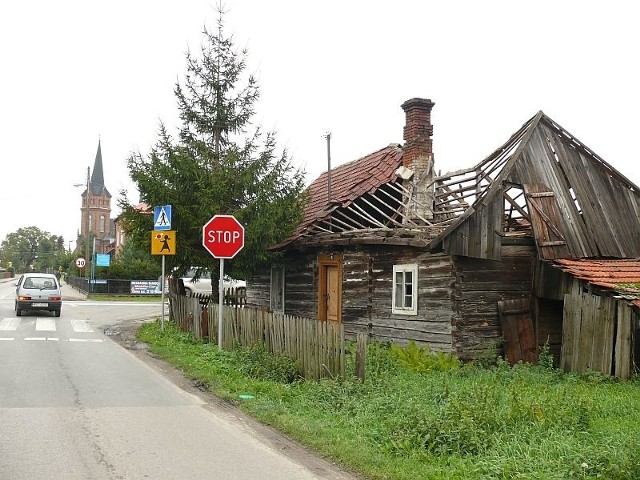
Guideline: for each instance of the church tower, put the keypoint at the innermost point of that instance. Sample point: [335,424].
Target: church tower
[96,208]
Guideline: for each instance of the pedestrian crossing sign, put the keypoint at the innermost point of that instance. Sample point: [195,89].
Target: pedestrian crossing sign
[163,243]
[162,217]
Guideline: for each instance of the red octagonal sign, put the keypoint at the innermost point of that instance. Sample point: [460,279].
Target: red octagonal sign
[223,236]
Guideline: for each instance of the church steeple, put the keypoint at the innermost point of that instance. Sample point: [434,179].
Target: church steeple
[97,176]
[96,224]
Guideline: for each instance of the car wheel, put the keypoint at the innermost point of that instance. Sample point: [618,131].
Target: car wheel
[18,312]
[57,312]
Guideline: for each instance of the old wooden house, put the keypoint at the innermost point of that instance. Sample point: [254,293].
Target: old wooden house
[465,261]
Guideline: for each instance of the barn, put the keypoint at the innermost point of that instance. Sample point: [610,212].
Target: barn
[469,261]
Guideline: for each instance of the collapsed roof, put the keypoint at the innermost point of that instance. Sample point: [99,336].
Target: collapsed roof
[542,184]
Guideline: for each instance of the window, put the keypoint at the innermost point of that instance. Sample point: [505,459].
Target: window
[405,289]
[102,223]
[276,298]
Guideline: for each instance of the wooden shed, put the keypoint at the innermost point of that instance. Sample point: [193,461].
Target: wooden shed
[453,260]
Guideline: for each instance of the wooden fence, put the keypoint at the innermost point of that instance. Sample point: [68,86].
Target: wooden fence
[317,346]
[597,334]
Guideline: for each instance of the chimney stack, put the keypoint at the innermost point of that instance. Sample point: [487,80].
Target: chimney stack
[418,146]
[418,157]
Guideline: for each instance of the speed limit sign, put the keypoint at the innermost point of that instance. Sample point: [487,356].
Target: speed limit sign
[80,262]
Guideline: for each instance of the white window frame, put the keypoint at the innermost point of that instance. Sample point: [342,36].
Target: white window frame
[404,309]
[277,275]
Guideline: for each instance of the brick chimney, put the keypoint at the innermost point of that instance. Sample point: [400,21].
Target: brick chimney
[418,157]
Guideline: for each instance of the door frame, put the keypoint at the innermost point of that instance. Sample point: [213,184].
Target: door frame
[326,260]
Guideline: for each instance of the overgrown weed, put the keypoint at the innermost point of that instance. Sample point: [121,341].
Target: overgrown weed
[418,415]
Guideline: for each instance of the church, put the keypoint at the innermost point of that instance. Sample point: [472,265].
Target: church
[96,223]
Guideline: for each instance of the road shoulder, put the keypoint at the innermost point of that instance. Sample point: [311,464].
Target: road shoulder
[124,334]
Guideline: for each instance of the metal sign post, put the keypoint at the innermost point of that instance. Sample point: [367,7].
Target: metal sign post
[220,299]
[222,237]
[162,296]
[163,242]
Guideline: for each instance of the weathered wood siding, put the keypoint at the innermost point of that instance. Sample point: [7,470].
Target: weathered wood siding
[586,192]
[598,334]
[457,296]
[300,290]
[480,284]
[477,236]
[367,294]
[549,326]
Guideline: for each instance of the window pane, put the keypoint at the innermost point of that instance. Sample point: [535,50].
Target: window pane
[398,295]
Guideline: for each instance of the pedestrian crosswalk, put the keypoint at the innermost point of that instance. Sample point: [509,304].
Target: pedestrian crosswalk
[44,329]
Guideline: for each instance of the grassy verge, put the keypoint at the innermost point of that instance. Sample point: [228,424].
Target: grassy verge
[413,418]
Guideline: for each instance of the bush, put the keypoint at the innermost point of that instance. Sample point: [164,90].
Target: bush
[256,362]
[423,360]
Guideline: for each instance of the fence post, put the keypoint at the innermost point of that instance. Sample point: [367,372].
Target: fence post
[361,355]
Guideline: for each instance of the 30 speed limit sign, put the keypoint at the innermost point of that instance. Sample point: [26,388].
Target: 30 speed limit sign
[80,262]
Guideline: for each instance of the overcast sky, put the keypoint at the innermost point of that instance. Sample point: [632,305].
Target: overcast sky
[74,72]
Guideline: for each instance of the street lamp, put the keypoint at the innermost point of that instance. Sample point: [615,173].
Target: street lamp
[87,218]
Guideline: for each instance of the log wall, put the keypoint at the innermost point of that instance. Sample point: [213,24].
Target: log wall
[367,296]
[480,284]
[457,296]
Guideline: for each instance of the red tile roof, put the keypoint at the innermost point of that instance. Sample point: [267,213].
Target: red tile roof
[349,182]
[612,274]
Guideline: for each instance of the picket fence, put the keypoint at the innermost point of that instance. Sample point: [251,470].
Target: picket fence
[317,346]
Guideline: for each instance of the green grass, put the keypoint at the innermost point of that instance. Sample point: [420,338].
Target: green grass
[411,420]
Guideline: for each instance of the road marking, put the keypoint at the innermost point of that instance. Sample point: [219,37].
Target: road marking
[9,323]
[89,340]
[6,338]
[81,326]
[45,324]
[42,339]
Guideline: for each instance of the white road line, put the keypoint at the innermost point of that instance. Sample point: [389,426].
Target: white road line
[89,340]
[81,326]
[42,339]
[45,324]
[9,323]
[6,338]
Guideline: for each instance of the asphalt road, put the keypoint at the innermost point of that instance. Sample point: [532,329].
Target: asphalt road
[74,404]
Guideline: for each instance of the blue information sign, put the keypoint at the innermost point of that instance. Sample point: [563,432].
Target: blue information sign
[162,217]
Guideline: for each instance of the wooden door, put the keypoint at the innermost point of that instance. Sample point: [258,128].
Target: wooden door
[333,296]
[517,330]
[330,288]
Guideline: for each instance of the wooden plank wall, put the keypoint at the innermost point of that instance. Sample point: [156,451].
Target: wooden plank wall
[624,341]
[597,335]
[480,285]
[548,316]
[569,172]
[477,235]
[367,293]
[300,291]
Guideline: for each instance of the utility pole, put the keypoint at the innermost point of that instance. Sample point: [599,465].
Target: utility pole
[328,137]
[87,251]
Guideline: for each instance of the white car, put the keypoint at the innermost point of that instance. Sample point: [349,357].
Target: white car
[203,284]
[37,292]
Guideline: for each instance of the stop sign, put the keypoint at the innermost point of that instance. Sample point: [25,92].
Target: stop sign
[223,236]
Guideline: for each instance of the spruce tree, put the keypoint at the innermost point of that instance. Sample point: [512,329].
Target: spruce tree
[219,163]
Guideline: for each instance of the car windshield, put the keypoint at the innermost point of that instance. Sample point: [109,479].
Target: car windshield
[40,283]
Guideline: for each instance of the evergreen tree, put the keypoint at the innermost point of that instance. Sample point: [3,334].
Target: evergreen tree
[219,164]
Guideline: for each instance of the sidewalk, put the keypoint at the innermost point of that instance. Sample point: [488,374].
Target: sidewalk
[71,294]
